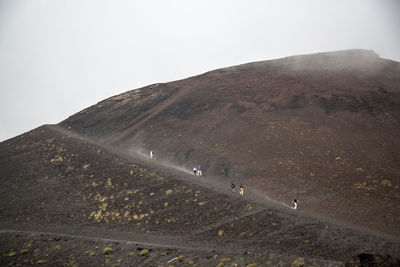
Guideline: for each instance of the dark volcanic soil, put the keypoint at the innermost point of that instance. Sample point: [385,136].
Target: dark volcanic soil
[323,128]
[65,198]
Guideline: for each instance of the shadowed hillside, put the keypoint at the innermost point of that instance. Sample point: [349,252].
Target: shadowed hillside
[322,127]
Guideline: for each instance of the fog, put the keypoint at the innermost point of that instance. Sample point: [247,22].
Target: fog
[59,57]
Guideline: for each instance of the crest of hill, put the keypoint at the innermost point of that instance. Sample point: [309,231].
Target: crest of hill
[316,75]
[321,127]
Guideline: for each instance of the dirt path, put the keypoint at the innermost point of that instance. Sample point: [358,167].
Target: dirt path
[194,252]
[176,172]
[143,118]
[215,184]
[101,239]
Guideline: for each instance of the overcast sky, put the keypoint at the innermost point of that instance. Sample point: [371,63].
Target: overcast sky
[59,57]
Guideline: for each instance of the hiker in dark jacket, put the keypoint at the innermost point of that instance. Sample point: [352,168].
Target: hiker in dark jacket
[233,186]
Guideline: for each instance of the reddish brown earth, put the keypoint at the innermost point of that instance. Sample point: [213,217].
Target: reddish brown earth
[322,127]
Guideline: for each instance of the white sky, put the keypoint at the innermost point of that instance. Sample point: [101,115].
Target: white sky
[59,57]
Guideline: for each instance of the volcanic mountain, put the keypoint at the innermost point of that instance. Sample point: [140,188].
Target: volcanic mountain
[321,128]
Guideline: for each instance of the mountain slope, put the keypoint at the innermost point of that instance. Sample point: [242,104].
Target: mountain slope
[65,197]
[322,127]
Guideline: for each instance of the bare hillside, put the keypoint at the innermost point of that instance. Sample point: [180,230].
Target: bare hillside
[321,127]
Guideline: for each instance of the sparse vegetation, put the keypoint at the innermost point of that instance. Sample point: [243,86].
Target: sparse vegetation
[144,252]
[11,254]
[24,251]
[386,183]
[298,262]
[107,250]
[168,192]
[225,260]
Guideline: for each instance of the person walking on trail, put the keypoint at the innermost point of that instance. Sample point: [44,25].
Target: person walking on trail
[198,171]
[294,203]
[194,171]
[233,186]
[151,154]
[69,128]
[241,190]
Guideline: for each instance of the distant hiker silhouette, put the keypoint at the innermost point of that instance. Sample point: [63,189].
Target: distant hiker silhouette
[233,186]
[295,203]
[194,171]
[69,128]
[241,190]
[198,171]
[151,154]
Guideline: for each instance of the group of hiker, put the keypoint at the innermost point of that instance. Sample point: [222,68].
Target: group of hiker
[197,172]
[240,188]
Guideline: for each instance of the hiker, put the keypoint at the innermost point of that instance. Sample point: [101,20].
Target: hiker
[194,171]
[69,128]
[295,203]
[198,171]
[241,190]
[151,154]
[233,186]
